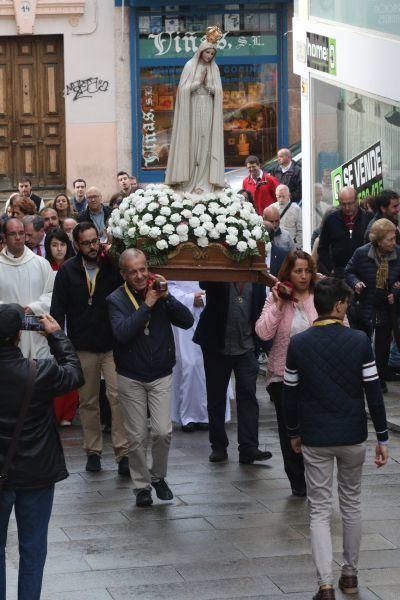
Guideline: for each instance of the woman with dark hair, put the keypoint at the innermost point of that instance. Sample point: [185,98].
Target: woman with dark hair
[247,194]
[62,205]
[289,309]
[58,248]
[115,200]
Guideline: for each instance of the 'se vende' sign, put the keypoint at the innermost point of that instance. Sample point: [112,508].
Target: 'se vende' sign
[321,53]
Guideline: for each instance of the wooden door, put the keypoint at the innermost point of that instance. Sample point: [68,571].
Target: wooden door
[32,121]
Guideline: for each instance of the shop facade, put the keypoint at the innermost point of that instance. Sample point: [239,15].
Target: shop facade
[261,100]
[346,55]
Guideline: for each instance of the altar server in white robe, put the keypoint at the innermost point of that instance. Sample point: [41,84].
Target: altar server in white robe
[188,391]
[27,279]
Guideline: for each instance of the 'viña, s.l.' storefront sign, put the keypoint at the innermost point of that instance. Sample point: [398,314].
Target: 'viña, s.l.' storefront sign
[182,45]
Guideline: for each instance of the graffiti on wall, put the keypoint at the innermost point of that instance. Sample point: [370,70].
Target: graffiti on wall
[85,88]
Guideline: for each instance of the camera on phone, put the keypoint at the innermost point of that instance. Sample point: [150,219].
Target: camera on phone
[159,285]
[285,290]
[32,323]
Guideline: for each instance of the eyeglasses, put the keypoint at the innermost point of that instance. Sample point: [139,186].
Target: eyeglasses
[88,243]
[92,197]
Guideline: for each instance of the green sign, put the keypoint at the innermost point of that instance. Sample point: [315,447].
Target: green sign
[184,45]
[363,173]
[321,53]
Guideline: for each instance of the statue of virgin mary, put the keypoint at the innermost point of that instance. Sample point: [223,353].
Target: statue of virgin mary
[196,155]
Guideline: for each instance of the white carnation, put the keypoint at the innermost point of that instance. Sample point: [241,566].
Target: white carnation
[147,217]
[245,214]
[231,240]
[117,232]
[163,200]
[140,206]
[182,229]
[175,218]
[257,233]
[213,208]
[160,220]
[202,242]
[123,206]
[241,246]
[168,229]
[162,245]
[251,243]
[199,209]
[155,232]
[177,204]
[173,240]
[214,234]
[123,224]
[221,218]
[205,218]
[199,232]
[220,227]
[153,206]
[232,231]
[208,226]
[165,210]
[194,222]
[144,229]
[246,233]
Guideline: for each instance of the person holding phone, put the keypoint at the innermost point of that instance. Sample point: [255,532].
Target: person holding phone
[38,460]
[141,314]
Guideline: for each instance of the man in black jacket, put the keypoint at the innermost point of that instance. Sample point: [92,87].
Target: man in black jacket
[96,213]
[226,335]
[79,298]
[38,461]
[144,350]
[342,232]
[387,206]
[288,172]
[325,414]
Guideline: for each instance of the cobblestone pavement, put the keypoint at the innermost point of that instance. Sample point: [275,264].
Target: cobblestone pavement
[232,531]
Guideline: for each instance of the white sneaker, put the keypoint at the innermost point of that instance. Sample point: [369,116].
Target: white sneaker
[65,423]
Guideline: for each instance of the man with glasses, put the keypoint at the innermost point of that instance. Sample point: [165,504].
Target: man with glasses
[80,290]
[342,233]
[26,279]
[96,212]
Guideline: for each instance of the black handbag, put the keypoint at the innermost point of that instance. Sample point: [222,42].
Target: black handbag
[18,428]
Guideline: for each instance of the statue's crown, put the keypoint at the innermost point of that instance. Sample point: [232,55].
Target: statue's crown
[214,34]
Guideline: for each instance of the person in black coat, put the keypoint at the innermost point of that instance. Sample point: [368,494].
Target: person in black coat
[373,272]
[96,212]
[342,232]
[288,172]
[387,206]
[38,462]
[226,335]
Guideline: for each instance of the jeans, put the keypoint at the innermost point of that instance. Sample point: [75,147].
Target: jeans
[218,369]
[32,513]
[394,358]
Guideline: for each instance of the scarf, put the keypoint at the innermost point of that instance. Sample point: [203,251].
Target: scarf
[382,272]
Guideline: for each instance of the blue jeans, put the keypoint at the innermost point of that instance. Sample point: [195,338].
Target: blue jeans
[32,513]
[394,358]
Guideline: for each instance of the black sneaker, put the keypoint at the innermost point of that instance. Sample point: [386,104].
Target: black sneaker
[257,455]
[123,467]
[162,490]
[93,463]
[143,498]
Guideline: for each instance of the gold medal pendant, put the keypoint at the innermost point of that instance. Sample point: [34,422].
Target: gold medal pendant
[90,301]
[240,299]
[146,331]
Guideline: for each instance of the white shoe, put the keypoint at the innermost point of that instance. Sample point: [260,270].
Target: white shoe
[65,423]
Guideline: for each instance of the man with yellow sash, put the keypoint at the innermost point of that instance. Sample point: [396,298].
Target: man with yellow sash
[79,299]
[142,312]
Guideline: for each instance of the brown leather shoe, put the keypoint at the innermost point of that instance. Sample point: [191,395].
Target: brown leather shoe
[325,594]
[348,584]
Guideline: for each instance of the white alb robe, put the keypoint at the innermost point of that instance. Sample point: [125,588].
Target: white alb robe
[188,390]
[28,280]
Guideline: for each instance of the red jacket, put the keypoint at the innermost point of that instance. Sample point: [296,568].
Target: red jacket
[263,191]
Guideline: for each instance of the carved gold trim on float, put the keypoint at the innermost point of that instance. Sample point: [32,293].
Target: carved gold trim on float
[26,11]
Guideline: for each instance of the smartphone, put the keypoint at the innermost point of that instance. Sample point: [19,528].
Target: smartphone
[32,323]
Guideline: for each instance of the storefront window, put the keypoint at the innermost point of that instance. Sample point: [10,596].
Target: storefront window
[250,108]
[369,14]
[248,61]
[356,141]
